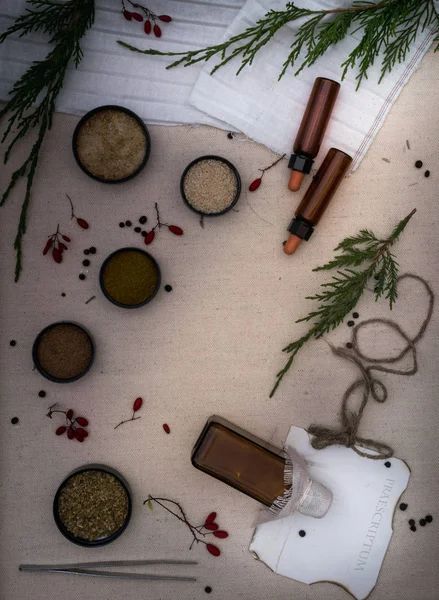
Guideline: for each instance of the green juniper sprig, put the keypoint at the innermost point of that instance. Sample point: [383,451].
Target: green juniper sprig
[389,27]
[33,96]
[341,294]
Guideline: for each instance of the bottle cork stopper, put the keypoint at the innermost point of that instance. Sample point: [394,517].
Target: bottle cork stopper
[292,244]
[295,181]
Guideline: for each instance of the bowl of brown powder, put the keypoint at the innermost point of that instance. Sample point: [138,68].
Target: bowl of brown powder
[93,505]
[130,277]
[63,352]
[111,144]
[210,185]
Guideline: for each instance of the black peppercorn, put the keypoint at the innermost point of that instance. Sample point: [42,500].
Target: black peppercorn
[387,464]
[351,323]
[63,295]
[86,252]
[284,242]
[418,164]
[427,174]
[121,224]
[403,506]
[14,420]
[411,522]
[128,223]
[412,528]
[429,518]
[92,250]
[208,589]
[355,315]
[230,135]
[144,233]
[302,533]
[86,262]
[143,220]
[12,343]
[81,276]
[422,522]
[349,345]
[42,394]
[137,229]
[168,288]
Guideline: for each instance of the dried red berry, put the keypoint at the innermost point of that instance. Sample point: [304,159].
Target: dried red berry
[166,428]
[137,404]
[61,430]
[211,526]
[137,17]
[47,246]
[255,184]
[211,518]
[221,534]
[82,223]
[82,421]
[128,16]
[157,31]
[57,256]
[175,229]
[147,27]
[165,18]
[69,414]
[65,238]
[84,433]
[214,550]
[79,436]
[70,433]
[62,246]
[149,237]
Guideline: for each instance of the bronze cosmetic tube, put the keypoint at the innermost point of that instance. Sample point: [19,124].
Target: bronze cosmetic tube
[317,198]
[312,129]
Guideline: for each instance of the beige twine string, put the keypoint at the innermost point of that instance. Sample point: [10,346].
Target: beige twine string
[350,420]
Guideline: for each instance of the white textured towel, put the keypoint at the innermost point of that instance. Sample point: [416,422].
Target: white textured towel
[269,111]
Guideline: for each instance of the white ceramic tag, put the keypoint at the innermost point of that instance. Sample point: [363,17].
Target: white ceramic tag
[347,546]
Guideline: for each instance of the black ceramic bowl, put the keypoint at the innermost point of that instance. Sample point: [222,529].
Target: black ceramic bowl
[45,373]
[116,108]
[110,298]
[101,541]
[235,172]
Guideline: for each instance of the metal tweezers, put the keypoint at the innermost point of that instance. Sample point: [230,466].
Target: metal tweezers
[92,569]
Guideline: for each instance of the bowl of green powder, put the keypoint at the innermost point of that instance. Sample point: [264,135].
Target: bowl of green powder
[63,352]
[93,505]
[130,277]
[210,185]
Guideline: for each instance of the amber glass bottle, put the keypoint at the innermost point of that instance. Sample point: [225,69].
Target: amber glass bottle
[312,129]
[317,197]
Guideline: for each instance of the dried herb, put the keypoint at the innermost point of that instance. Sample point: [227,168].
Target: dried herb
[93,505]
[65,23]
[209,526]
[136,407]
[341,294]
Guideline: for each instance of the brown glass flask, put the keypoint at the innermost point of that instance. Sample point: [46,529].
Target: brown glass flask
[317,197]
[241,460]
[312,129]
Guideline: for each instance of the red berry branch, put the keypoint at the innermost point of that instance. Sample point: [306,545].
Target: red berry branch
[257,182]
[150,18]
[74,426]
[136,406]
[209,525]
[172,228]
[81,222]
[56,245]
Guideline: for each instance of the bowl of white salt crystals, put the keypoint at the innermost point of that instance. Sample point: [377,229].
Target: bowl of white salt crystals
[210,185]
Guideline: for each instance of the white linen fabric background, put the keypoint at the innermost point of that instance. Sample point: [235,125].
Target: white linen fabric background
[255,103]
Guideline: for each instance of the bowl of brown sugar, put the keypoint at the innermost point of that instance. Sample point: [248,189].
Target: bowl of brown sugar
[93,505]
[130,277]
[210,185]
[111,144]
[63,352]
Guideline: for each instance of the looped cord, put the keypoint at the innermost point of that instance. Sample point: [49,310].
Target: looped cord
[350,420]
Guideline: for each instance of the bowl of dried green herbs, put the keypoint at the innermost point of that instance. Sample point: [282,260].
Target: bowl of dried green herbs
[93,505]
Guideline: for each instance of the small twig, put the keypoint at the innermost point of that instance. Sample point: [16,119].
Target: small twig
[272,165]
[90,299]
[133,418]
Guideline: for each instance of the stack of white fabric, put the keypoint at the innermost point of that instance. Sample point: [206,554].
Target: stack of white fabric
[256,103]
